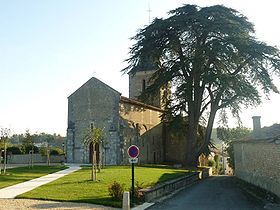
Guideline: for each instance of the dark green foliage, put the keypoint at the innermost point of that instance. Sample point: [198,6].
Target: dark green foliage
[230,152]
[138,194]
[228,136]
[15,150]
[53,151]
[212,59]
[27,143]
[27,148]
[217,165]
[52,140]
[212,163]
[56,151]
[116,191]
[232,134]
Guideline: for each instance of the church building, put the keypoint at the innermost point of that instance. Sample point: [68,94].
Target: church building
[124,121]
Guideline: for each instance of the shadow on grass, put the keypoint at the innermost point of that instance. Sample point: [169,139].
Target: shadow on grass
[35,169]
[155,166]
[169,176]
[71,182]
[78,203]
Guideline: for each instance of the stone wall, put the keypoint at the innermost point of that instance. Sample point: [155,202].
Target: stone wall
[138,82]
[140,124]
[94,104]
[141,80]
[37,158]
[166,188]
[177,146]
[258,162]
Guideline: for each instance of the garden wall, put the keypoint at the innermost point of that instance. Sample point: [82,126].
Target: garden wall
[258,162]
[171,186]
[37,158]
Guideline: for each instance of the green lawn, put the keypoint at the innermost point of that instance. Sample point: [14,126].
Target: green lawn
[22,174]
[78,187]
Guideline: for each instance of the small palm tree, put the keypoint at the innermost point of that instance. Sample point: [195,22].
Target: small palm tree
[93,137]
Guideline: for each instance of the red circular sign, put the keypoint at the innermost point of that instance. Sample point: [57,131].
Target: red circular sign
[133,151]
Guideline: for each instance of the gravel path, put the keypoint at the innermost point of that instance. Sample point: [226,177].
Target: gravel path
[23,204]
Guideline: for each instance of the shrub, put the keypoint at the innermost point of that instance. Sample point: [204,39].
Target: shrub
[43,150]
[15,150]
[27,148]
[56,151]
[116,191]
[138,195]
[212,163]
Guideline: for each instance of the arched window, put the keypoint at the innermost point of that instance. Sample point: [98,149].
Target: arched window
[143,85]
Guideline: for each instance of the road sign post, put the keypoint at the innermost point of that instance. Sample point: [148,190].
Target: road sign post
[133,152]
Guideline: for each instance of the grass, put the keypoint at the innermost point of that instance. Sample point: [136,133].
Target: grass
[77,187]
[23,174]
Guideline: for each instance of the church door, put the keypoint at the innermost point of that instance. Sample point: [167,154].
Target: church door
[96,149]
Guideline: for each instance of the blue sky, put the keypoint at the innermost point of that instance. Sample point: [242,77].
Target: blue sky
[49,48]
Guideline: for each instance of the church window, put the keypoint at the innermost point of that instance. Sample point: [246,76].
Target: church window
[143,85]
[91,126]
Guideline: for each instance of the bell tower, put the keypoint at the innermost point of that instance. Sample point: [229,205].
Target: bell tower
[139,81]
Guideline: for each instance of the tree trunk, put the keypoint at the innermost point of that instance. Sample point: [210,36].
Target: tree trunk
[93,177]
[48,157]
[95,165]
[191,156]
[192,159]
[209,128]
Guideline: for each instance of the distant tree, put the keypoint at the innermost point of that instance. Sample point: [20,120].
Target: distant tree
[228,136]
[27,142]
[28,146]
[94,137]
[48,139]
[4,137]
[213,61]
[16,138]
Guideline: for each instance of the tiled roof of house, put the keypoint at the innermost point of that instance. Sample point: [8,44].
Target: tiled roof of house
[266,133]
[271,131]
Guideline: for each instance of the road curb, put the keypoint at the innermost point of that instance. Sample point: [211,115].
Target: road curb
[143,206]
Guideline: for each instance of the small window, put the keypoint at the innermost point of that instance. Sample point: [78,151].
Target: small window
[91,126]
[143,85]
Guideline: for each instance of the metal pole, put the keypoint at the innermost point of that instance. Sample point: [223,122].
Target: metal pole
[5,156]
[132,182]
[223,161]
[1,153]
[32,151]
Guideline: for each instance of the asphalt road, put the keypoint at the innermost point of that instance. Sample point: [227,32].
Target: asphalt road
[214,193]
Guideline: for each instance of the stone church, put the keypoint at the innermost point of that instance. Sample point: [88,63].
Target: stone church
[125,121]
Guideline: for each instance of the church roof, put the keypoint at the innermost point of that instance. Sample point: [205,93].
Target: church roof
[95,80]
